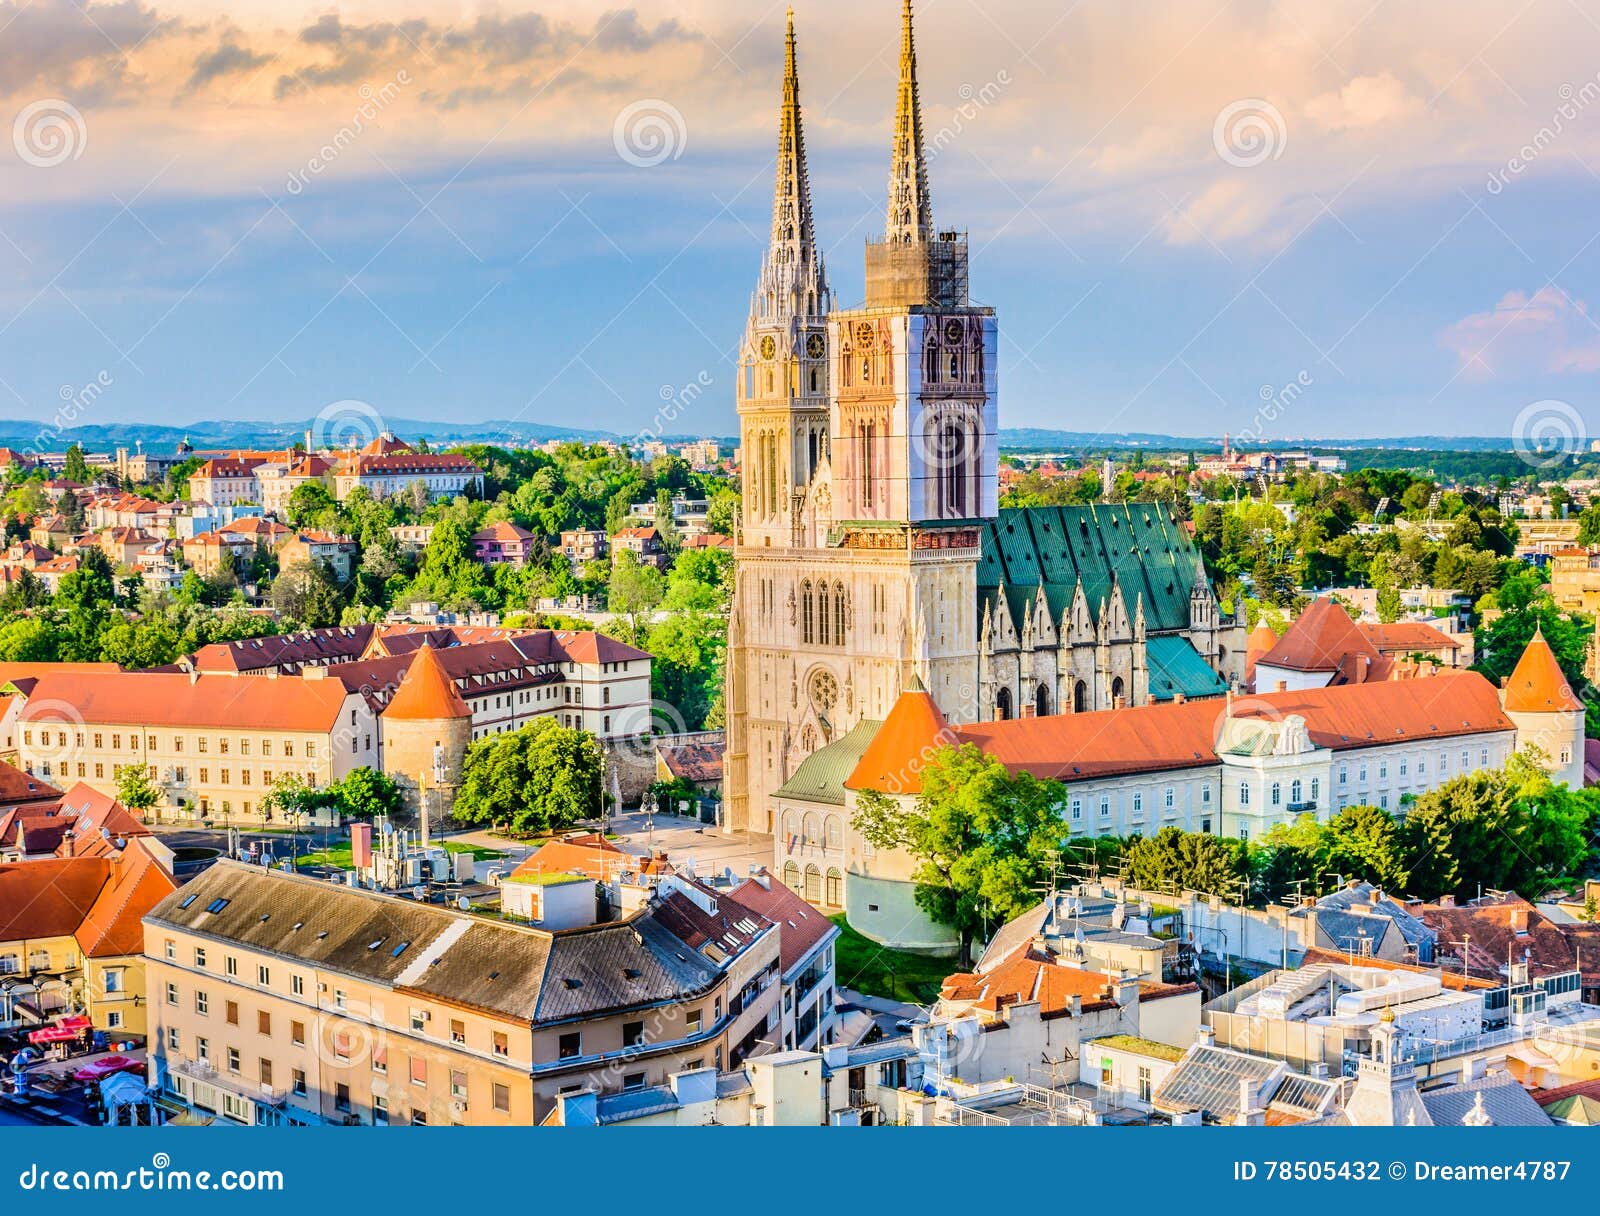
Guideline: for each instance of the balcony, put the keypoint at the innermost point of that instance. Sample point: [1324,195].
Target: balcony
[207,1074]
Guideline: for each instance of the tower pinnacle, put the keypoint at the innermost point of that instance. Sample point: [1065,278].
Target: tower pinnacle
[793,239]
[910,218]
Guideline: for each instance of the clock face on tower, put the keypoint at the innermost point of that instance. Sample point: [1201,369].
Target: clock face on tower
[864,335]
[769,347]
[953,331]
[814,346]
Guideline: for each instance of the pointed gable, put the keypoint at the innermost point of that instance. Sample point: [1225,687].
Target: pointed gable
[904,744]
[1538,686]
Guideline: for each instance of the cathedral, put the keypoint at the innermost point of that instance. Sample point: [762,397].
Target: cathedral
[872,554]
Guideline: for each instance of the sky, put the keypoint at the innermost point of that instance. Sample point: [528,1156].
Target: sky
[1278,220]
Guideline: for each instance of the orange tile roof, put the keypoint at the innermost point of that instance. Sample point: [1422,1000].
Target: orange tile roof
[1538,685]
[174,699]
[1177,735]
[426,693]
[908,739]
[1261,641]
[18,786]
[113,924]
[592,855]
[48,897]
[504,530]
[1026,977]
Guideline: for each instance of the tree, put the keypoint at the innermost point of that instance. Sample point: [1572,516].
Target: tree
[135,789]
[1177,860]
[290,796]
[635,589]
[365,793]
[541,778]
[307,593]
[75,467]
[984,839]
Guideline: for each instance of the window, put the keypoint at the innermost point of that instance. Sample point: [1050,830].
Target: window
[692,1024]
[299,1082]
[172,994]
[380,1057]
[1077,808]
[632,1034]
[419,1020]
[1171,797]
[458,1084]
[1244,793]
[264,976]
[341,1097]
[172,1038]
[1316,788]
[114,1019]
[570,1044]
[380,1110]
[1138,801]
[1205,795]
[1295,791]
[297,1033]
[202,1003]
[501,1048]
[419,1071]
[1277,793]
[633,1080]
[458,1031]
[297,985]
[263,1022]
[233,1059]
[502,1098]
[1105,804]
[202,1049]
[230,1012]
[199,956]
[339,999]
[1145,1086]
[172,948]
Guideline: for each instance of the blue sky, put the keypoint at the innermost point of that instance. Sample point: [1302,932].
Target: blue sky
[476,246]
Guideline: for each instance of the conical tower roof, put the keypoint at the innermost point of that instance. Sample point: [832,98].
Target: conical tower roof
[1538,686]
[904,745]
[426,692]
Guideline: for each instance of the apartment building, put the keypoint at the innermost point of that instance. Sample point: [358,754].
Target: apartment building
[280,999]
[225,481]
[441,475]
[212,744]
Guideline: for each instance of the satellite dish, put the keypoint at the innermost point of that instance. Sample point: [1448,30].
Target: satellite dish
[464,904]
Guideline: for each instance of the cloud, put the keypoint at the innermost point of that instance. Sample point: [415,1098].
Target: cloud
[1366,101]
[1546,332]
[226,59]
[58,46]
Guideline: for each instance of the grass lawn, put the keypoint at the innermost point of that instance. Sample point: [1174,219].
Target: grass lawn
[478,851]
[338,856]
[862,964]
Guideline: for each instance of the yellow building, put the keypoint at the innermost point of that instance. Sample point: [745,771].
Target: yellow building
[279,999]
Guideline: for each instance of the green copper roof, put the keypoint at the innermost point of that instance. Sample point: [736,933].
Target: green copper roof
[821,775]
[1148,551]
[1176,666]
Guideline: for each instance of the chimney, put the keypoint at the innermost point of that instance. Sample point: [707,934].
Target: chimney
[1447,901]
[1119,702]
[1283,686]
[1177,698]
[1028,710]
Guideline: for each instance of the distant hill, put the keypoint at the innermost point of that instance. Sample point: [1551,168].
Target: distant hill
[220,433]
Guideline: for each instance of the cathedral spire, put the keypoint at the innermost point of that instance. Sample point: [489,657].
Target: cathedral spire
[910,218]
[793,240]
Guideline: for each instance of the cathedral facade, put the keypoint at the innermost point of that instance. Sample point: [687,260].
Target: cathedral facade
[871,547]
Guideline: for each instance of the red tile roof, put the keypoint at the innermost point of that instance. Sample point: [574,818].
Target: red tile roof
[800,926]
[1509,928]
[426,693]
[1402,637]
[504,531]
[1322,638]
[592,855]
[18,786]
[1538,685]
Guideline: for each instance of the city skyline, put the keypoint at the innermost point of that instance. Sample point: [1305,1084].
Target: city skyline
[554,215]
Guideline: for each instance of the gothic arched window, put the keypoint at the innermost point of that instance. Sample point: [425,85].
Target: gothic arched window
[1117,691]
[807,621]
[838,614]
[824,617]
[1041,701]
[1002,705]
[1080,697]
